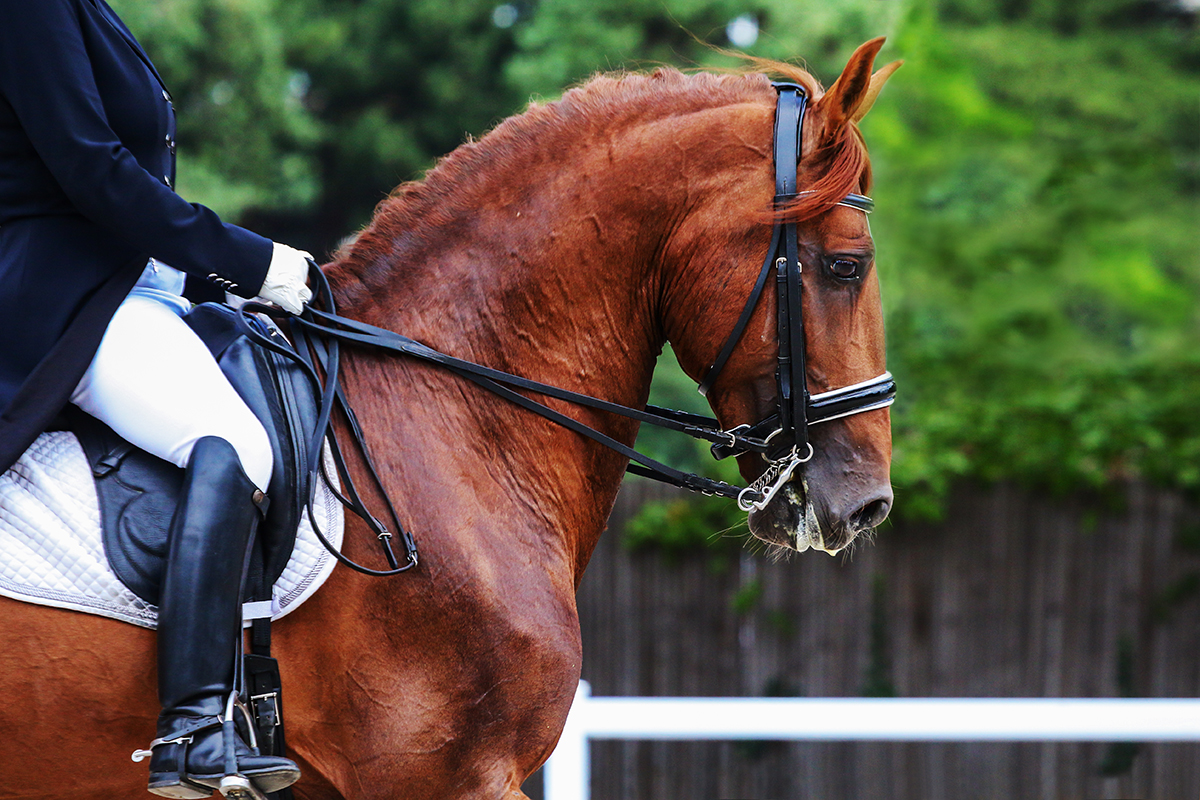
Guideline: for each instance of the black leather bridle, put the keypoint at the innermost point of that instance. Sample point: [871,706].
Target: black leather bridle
[782,439]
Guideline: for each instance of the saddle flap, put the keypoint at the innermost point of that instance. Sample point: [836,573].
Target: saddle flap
[137,493]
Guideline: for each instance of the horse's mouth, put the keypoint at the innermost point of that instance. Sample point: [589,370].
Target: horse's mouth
[791,522]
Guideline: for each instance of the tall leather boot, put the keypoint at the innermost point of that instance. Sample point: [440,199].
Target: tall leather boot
[200,631]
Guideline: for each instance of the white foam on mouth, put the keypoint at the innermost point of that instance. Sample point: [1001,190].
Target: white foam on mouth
[808,533]
[802,537]
[822,548]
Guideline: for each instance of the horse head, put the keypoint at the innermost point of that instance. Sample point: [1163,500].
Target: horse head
[844,488]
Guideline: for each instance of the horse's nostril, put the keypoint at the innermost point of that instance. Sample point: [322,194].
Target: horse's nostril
[871,514]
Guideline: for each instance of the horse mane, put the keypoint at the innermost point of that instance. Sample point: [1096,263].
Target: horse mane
[416,209]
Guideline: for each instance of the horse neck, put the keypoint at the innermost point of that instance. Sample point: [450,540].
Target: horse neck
[553,275]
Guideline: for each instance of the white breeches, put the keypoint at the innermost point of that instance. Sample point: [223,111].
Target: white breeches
[156,384]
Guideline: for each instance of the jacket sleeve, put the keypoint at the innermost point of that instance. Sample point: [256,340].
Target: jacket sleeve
[46,75]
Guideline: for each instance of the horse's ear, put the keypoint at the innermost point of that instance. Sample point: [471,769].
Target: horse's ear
[853,93]
[877,82]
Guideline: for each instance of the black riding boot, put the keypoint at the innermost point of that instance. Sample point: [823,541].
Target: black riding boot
[199,633]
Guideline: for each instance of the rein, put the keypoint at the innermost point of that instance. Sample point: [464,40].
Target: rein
[782,439]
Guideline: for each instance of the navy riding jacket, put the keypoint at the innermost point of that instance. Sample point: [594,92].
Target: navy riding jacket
[87,166]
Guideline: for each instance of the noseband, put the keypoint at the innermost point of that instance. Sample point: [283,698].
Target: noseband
[783,437]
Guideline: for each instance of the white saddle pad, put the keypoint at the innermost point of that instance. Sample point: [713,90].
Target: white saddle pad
[51,552]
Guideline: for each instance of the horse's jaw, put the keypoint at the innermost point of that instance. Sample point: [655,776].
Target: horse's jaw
[790,523]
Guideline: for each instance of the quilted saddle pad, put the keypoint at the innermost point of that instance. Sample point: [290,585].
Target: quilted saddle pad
[51,552]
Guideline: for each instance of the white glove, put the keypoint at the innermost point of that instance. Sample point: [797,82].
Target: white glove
[286,281]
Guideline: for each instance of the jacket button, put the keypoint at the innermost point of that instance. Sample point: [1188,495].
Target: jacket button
[167,180]
[170,144]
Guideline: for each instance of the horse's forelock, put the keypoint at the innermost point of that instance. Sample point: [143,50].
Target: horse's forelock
[840,166]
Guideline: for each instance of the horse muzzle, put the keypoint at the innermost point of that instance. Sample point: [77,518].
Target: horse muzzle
[803,516]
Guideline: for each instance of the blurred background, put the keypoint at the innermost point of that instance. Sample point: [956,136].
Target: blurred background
[1037,177]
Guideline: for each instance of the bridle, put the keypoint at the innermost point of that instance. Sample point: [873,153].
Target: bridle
[782,438]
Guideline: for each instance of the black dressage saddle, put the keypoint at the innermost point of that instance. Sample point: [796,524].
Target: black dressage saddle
[138,492]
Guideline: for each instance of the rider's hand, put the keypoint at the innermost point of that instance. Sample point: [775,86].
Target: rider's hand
[286,281]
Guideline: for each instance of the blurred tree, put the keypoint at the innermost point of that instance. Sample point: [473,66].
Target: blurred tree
[1038,200]
[398,84]
[395,85]
[1066,16]
[1037,165]
[566,41]
[245,137]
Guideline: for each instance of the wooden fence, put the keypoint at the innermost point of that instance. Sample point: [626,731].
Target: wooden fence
[1013,595]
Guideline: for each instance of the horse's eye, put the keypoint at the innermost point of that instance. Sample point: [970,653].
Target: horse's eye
[844,269]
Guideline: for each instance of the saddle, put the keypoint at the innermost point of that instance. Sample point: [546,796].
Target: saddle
[138,492]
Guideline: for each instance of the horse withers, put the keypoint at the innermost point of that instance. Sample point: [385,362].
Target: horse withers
[567,245]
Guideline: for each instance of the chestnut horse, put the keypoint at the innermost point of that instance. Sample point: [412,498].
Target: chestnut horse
[567,245]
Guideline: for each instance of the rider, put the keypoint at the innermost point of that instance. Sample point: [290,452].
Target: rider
[97,254]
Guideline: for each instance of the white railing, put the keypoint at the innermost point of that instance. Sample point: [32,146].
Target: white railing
[566,774]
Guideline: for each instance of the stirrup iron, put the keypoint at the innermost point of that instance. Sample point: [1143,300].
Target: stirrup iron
[239,787]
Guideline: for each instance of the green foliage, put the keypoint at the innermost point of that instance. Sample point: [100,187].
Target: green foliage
[679,526]
[566,41]
[1038,197]
[746,599]
[1066,17]
[1037,175]
[395,85]
[244,135]
[676,527]
[671,388]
